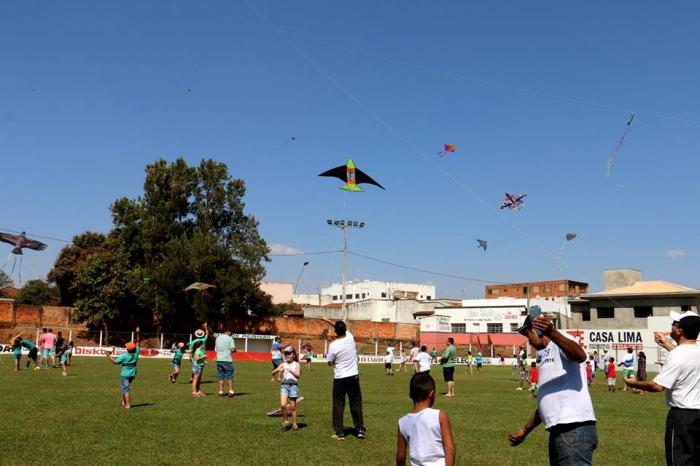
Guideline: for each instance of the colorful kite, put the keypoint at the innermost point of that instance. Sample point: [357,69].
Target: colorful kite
[482,244]
[449,148]
[513,201]
[199,286]
[612,157]
[567,238]
[352,177]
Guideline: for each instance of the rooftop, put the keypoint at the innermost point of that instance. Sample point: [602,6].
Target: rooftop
[645,288]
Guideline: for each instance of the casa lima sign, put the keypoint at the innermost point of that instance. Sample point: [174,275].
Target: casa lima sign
[614,339]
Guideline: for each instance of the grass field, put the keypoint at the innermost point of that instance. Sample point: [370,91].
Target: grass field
[49,419]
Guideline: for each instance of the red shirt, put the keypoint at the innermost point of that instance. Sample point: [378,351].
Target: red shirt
[611,370]
[534,375]
[589,371]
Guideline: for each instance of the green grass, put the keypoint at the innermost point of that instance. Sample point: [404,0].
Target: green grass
[49,419]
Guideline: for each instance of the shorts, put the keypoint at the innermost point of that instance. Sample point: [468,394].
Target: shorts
[17,355]
[224,370]
[612,380]
[448,373]
[290,389]
[125,383]
[276,363]
[533,386]
[627,372]
[309,358]
[176,366]
[479,364]
[46,354]
[387,365]
[196,369]
[33,353]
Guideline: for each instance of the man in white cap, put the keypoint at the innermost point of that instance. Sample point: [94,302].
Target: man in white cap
[680,379]
[563,402]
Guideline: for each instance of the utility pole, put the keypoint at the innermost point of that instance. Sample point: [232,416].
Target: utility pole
[345,226]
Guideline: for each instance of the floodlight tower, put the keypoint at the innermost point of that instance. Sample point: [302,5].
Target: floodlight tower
[345,225]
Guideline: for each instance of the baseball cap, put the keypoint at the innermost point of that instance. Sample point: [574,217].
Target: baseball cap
[677,316]
[199,333]
[288,349]
[131,346]
[688,321]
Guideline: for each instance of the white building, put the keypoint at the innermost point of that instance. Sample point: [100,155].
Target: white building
[281,292]
[369,289]
[403,311]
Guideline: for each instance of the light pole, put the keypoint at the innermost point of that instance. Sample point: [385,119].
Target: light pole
[345,226]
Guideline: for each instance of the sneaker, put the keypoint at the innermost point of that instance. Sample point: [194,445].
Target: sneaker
[361,434]
[285,427]
[231,394]
[201,394]
[338,437]
[37,368]
[295,427]
[222,394]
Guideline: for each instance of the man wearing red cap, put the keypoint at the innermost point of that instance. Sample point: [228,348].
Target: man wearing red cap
[680,380]
[128,362]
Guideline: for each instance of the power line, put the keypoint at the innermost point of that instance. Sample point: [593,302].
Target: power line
[315,253]
[35,235]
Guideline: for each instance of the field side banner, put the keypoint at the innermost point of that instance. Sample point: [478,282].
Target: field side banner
[611,340]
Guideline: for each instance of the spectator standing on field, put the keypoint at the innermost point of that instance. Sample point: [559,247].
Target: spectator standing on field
[342,357]
[641,369]
[276,355]
[413,353]
[448,366]
[627,364]
[58,348]
[225,347]
[680,380]
[563,402]
[424,360]
[49,349]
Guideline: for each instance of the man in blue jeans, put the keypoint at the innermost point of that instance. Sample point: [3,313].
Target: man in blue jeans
[563,402]
[225,347]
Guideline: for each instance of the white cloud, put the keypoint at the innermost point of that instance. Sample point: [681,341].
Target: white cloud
[675,253]
[283,249]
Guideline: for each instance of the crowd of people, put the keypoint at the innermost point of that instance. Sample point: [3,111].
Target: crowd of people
[559,380]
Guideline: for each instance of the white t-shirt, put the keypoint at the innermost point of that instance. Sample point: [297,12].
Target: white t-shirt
[388,358]
[414,352]
[422,432]
[390,351]
[287,376]
[342,352]
[680,376]
[563,396]
[628,362]
[224,345]
[424,360]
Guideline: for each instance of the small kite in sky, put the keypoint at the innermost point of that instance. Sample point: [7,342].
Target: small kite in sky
[449,148]
[352,177]
[567,238]
[199,286]
[613,156]
[513,201]
[482,244]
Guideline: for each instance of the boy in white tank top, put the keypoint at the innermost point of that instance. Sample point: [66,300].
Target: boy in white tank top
[425,432]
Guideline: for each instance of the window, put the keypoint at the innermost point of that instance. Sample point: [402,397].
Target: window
[562,287]
[494,328]
[524,290]
[383,295]
[643,311]
[490,291]
[459,328]
[335,298]
[514,327]
[586,315]
[429,298]
[348,296]
[606,312]
[363,295]
[357,295]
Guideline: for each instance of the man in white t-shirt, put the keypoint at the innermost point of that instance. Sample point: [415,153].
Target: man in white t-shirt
[680,379]
[342,357]
[414,354]
[563,402]
[424,360]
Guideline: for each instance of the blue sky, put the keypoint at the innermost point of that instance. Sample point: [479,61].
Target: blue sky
[535,96]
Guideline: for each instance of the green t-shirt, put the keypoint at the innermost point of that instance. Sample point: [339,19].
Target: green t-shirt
[17,350]
[191,344]
[200,352]
[68,351]
[128,362]
[434,354]
[450,353]
[177,357]
[27,344]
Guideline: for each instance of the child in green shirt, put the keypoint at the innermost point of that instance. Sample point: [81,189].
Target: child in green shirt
[199,359]
[128,362]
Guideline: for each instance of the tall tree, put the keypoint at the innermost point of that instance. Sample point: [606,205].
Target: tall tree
[5,280]
[190,225]
[38,292]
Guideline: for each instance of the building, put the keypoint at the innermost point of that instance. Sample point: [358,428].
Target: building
[402,311]
[545,289]
[281,292]
[356,291]
[490,323]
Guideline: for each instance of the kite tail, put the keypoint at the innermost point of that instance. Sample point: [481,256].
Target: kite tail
[7,261]
[617,149]
[19,269]
[561,253]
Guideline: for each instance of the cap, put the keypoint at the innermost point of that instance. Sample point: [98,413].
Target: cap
[199,333]
[131,346]
[181,345]
[677,316]
[288,349]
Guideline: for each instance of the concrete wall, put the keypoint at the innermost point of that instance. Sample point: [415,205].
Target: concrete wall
[618,278]
[624,312]
[373,310]
[280,292]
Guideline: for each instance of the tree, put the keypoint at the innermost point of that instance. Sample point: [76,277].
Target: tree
[38,292]
[5,280]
